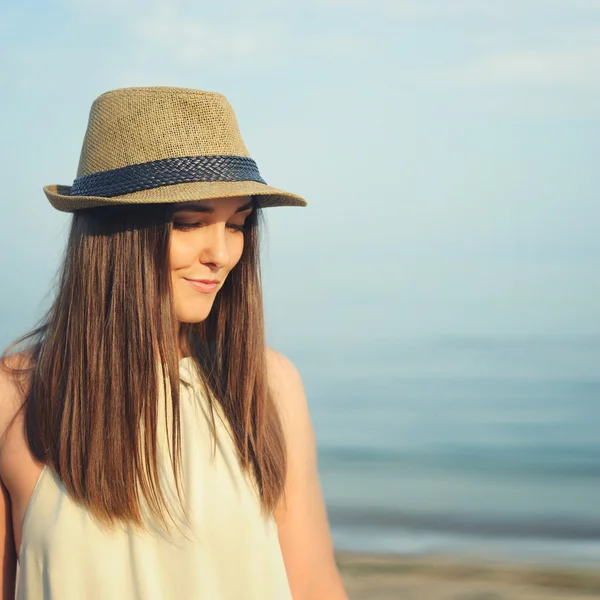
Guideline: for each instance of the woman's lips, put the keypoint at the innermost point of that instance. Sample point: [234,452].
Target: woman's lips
[203,285]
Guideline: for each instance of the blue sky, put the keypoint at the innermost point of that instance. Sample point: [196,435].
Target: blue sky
[448,150]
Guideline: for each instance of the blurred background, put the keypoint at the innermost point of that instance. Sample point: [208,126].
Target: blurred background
[440,293]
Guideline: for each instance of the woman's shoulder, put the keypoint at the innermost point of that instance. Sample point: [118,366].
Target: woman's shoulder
[288,392]
[14,372]
[281,371]
[14,376]
[276,361]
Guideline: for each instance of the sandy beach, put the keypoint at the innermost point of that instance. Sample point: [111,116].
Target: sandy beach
[389,577]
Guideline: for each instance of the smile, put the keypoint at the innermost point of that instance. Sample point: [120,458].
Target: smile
[204,286]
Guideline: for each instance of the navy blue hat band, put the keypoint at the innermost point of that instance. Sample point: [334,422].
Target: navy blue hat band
[166,171]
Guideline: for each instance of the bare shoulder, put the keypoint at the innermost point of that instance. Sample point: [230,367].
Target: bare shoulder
[281,369]
[289,396]
[14,371]
[301,517]
[13,379]
[286,384]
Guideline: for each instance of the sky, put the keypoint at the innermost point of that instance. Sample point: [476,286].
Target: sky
[448,151]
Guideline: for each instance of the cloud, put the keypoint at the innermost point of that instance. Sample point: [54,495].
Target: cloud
[428,9]
[527,45]
[573,67]
[263,35]
[197,40]
[412,8]
[187,35]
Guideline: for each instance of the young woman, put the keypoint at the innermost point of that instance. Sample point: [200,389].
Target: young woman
[151,446]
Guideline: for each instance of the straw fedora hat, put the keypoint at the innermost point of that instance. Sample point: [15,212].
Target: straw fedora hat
[163,144]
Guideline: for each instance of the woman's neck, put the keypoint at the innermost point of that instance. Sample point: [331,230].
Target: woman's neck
[183,347]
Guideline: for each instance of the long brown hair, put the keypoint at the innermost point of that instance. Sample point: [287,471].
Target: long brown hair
[97,358]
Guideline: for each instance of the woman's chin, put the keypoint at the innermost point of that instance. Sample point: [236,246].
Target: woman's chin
[193,315]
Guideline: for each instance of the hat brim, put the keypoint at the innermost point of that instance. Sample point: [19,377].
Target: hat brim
[61,199]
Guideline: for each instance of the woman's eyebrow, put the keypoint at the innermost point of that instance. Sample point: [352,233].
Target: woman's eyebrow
[202,208]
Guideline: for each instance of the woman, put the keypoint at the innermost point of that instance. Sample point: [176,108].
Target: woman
[151,445]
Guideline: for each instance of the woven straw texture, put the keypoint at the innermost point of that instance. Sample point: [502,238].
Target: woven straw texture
[131,126]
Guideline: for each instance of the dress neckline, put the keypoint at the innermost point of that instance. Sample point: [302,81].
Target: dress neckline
[186,370]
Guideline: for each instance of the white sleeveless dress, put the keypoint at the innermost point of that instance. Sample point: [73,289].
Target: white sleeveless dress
[232,552]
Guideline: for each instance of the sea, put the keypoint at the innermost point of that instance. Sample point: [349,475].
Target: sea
[486,445]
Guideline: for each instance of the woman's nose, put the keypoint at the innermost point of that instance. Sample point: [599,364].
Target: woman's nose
[214,250]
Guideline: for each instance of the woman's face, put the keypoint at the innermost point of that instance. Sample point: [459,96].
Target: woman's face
[206,243]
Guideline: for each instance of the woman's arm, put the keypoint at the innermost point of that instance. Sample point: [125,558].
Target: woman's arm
[8,555]
[8,558]
[302,523]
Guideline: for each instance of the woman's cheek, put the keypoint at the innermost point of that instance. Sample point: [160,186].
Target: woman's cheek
[180,254]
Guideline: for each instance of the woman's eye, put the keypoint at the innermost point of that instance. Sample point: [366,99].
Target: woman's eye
[186,226]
